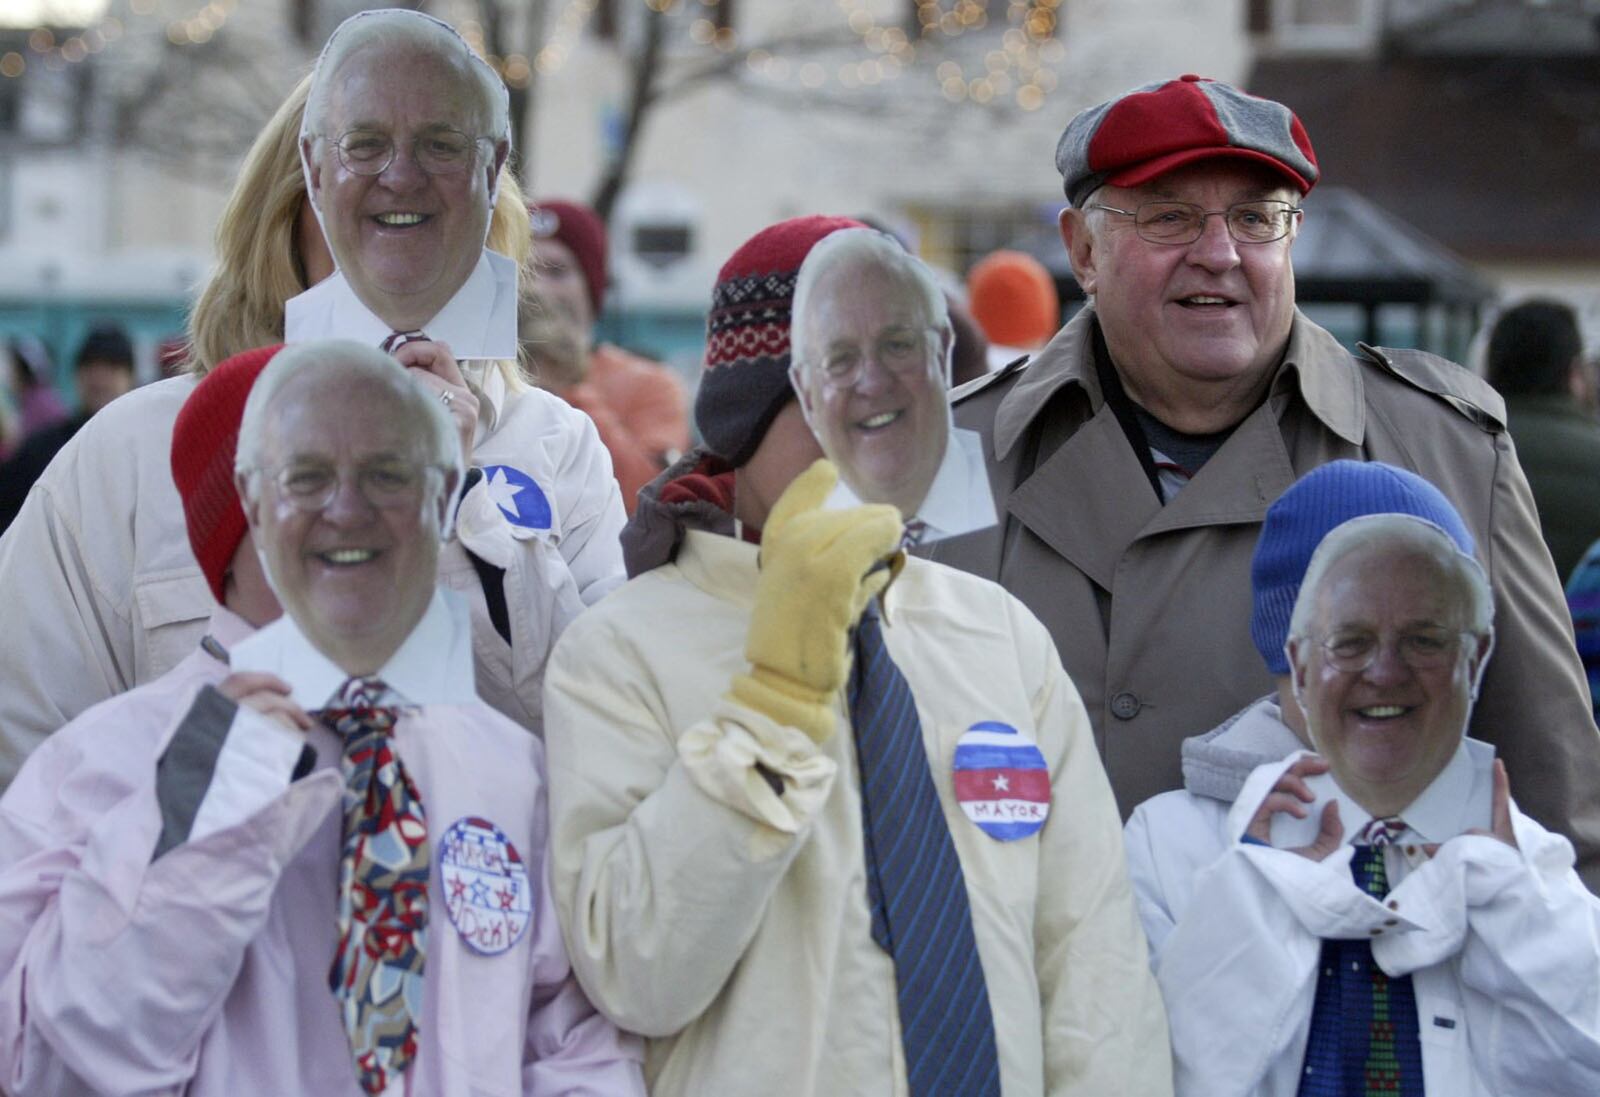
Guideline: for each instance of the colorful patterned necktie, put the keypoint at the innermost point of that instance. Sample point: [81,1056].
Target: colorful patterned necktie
[1363,1040]
[917,894]
[383,889]
[398,339]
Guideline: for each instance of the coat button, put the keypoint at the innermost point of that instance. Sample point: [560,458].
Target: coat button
[1125,706]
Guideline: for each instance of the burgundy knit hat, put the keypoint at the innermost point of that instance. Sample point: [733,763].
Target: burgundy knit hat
[1153,129]
[584,234]
[204,440]
[746,382]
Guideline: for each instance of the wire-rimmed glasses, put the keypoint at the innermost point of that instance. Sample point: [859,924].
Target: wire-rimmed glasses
[1258,222]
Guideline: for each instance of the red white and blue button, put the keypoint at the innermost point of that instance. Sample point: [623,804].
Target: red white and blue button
[485,883]
[518,496]
[1001,781]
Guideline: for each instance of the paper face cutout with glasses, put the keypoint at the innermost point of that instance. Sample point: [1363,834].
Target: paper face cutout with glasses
[402,178]
[871,341]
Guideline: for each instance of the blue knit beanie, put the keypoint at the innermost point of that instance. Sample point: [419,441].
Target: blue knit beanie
[1323,498]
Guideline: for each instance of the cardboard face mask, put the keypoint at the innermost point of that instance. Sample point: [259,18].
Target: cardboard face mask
[402,175]
[1385,663]
[872,386]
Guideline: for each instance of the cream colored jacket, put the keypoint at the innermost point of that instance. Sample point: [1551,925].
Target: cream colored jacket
[729,925]
[101,592]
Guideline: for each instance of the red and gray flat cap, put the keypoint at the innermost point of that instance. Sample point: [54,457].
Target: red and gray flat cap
[1153,129]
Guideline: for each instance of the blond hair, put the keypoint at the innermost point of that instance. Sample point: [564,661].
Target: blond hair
[259,266]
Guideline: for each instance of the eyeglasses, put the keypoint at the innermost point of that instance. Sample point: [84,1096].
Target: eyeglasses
[440,151]
[1184,222]
[901,351]
[386,483]
[1424,648]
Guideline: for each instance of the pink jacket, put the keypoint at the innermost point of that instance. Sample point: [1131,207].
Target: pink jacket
[204,971]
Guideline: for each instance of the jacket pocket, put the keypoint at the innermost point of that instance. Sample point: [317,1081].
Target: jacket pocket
[171,611]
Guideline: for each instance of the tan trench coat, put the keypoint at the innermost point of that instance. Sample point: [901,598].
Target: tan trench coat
[1150,605]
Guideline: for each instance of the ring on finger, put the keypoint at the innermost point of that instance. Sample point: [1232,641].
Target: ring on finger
[446,396]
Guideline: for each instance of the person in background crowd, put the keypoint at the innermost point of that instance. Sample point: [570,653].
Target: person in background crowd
[763,862]
[102,595]
[1535,360]
[268,971]
[1384,919]
[1014,299]
[104,371]
[1134,457]
[1583,601]
[29,386]
[638,405]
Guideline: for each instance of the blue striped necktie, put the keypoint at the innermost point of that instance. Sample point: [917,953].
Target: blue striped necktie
[917,894]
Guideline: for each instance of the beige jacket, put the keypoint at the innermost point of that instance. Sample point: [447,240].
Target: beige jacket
[730,925]
[101,592]
[1150,605]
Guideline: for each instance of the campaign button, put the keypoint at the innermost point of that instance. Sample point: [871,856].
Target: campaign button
[485,883]
[519,498]
[1001,781]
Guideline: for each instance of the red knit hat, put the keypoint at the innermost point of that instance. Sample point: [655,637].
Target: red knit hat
[204,440]
[746,382]
[584,234]
[1014,299]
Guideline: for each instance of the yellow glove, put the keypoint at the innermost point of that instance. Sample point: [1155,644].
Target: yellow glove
[818,571]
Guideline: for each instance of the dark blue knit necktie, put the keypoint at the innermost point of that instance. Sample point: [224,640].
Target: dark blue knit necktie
[918,896]
[1363,1038]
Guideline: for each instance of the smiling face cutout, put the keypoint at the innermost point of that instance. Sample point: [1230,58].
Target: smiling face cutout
[1406,611]
[407,236]
[871,379]
[357,574]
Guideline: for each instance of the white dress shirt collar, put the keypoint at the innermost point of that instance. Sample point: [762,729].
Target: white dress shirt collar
[958,500]
[433,666]
[480,321]
[1451,804]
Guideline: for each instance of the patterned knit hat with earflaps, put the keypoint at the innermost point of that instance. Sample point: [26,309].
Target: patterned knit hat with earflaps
[746,382]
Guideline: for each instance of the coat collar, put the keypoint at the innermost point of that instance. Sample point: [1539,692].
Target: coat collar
[724,567]
[1071,512]
[1328,379]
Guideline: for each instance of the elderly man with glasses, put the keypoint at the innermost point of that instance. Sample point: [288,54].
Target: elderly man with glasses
[1134,458]
[871,366]
[1382,918]
[309,859]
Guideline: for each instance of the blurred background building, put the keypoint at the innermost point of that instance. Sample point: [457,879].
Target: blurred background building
[1460,139]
